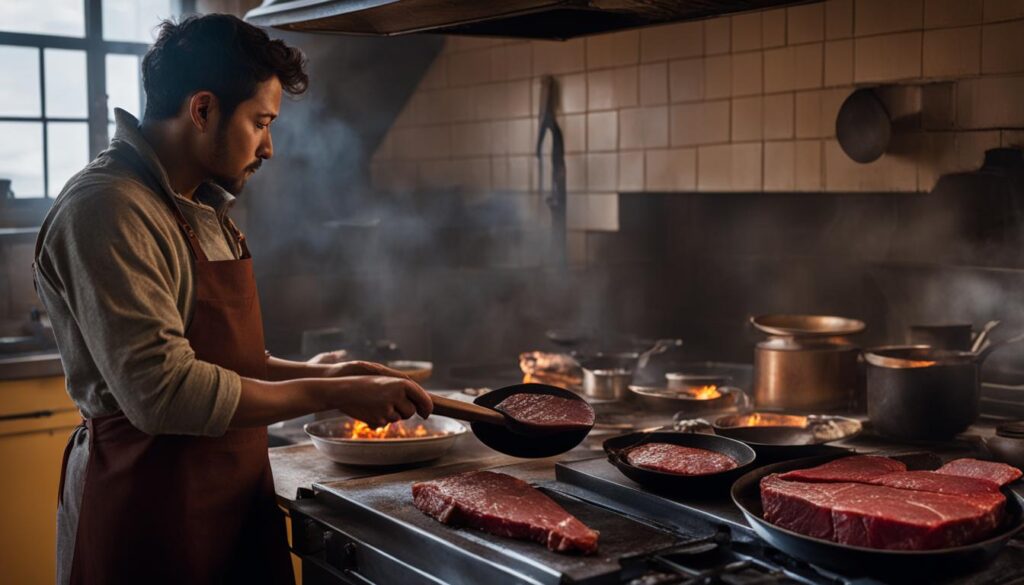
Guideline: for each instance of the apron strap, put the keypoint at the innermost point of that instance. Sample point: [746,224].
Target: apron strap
[243,247]
[190,235]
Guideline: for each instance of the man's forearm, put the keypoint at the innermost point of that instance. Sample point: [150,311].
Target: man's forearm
[279,370]
[262,403]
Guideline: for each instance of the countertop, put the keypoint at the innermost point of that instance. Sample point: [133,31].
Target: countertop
[30,365]
[301,465]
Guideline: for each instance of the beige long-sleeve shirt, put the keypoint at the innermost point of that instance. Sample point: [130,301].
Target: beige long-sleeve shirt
[115,275]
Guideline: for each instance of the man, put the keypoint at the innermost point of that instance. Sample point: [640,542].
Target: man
[150,289]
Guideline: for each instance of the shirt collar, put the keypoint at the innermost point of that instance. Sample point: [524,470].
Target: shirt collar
[128,134]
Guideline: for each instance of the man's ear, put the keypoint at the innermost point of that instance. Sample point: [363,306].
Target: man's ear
[201,107]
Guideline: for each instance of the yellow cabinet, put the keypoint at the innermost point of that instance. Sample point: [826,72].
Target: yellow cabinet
[36,418]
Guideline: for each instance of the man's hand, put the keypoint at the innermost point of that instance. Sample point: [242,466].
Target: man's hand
[361,368]
[379,400]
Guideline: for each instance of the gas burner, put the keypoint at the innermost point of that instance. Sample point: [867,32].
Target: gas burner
[713,561]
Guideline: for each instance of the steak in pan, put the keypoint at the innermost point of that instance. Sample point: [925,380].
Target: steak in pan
[858,468]
[547,411]
[997,473]
[850,501]
[679,460]
[504,505]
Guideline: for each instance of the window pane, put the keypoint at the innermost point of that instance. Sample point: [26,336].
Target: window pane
[67,145]
[123,84]
[21,157]
[134,20]
[19,90]
[49,17]
[65,84]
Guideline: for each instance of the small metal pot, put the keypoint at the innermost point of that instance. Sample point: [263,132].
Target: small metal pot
[607,383]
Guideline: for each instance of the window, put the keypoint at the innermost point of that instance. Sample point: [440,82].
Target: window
[66,64]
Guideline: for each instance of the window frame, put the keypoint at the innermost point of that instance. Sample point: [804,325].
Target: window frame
[30,210]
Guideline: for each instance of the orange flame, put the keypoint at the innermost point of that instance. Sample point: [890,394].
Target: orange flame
[708,392]
[760,419]
[396,430]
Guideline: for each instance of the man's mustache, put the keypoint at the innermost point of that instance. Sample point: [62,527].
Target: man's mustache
[255,166]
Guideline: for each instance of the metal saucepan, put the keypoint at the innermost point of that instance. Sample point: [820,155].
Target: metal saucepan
[893,566]
[330,437]
[506,435]
[919,392]
[690,486]
[808,364]
[606,376]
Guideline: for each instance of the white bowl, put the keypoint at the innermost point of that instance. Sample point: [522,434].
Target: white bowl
[327,437]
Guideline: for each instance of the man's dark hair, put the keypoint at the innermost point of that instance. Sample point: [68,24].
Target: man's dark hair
[218,53]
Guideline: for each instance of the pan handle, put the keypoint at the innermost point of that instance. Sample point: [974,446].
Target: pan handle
[991,346]
[466,411]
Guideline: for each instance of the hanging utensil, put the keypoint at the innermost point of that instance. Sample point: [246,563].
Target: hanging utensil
[557,197]
[982,337]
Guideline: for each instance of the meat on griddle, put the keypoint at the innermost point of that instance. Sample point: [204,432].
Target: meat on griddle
[504,505]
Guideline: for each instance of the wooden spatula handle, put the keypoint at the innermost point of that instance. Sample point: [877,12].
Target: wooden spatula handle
[466,410]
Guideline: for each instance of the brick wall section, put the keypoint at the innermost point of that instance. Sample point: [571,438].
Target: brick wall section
[737,103]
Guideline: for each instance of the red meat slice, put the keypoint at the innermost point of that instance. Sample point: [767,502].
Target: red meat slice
[940,483]
[998,473]
[878,516]
[545,410]
[669,458]
[857,468]
[506,506]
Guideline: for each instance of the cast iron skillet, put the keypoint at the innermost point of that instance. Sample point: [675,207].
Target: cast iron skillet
[906,566]
[680,485]
[508,442]
[776,443]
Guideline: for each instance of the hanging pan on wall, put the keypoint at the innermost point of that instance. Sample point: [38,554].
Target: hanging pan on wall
[863,126]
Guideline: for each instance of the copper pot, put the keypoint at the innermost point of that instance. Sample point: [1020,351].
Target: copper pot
[808,364]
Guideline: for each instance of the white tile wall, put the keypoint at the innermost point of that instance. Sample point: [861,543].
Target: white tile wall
[744,102]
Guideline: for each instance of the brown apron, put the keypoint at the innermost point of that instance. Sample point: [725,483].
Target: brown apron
[188,509]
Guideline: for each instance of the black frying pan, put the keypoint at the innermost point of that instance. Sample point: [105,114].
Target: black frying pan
[509,442]
[696,486]
[901,566]
[776,443]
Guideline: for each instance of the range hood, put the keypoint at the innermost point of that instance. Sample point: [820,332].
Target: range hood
[538,19]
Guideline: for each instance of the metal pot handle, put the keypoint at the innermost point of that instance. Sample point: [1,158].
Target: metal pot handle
[660,346]
[991,346]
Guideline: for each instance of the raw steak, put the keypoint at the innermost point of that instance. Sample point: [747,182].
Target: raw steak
[877,516]
[857,468]
[939,483]
[503,505]
[669,458]
[997,473]
[545,410]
